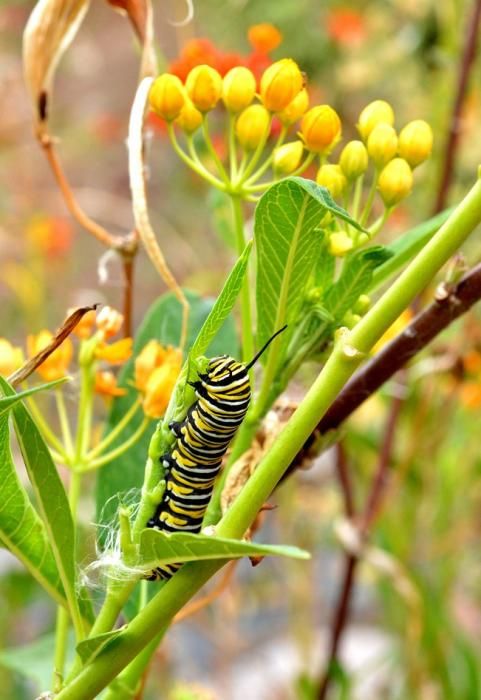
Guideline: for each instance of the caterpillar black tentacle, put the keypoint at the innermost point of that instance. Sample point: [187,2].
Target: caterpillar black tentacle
[223,394]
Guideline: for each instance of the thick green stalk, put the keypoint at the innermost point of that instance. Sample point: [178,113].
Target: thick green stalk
[246,314]
[346,356]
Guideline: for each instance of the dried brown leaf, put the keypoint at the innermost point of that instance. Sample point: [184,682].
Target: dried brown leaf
[50,29]
[60,335]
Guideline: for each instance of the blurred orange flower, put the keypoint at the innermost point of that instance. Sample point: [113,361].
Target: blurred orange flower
[56,364]
[11,357]
[51,235]
[106,384]
[346,26]
[156,371]
[114,353]
[264,37]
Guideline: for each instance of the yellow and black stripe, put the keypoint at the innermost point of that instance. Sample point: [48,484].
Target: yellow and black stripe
[223,394]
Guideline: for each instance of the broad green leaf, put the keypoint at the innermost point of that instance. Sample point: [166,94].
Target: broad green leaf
[287,239]
[89,648]
[162,322]
[158,548]
[49,493]
[21,529]
[7,402]
[34,661]
[405,247]
[354,279]
[223,304]
[325,266]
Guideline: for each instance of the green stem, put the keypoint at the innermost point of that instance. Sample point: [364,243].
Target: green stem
[106,458]
[61,632]
[64,422]
[232,147]
[254,159]
[297,171]
[103,444]
[193,165]
[370,199]
[125,685]
[345,358]
[213,152]
[246,314]
[265,165]
[45,429]
[356,200]
[84,425]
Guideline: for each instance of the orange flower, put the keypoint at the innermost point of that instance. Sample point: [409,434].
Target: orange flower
[85,326]
[156,371]
[50,235]
[264,37]
[106,384]
[470,394]
[56,364]
[109,321]
[346,26]
[11,357]
[114,353]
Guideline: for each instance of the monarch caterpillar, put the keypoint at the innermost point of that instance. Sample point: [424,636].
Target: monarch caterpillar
[223,394]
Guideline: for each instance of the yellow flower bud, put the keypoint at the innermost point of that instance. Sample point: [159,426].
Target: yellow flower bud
[332,177]
[416,142]
[288,157]
[295,109]
[353,159]
[166,96]
[382,144]
[11,357]
[395,181]
[340,243]
[362,304]
[204,87]
[377,112]
[321,129]
[56,364]
[238,89]
[189,118]
[251,126]
[280,84]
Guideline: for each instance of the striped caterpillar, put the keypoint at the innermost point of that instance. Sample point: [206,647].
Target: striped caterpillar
[223,393]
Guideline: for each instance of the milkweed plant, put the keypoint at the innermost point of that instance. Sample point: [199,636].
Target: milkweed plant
[312,266]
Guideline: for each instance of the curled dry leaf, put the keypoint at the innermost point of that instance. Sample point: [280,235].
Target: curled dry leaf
[50,29]
[61,334]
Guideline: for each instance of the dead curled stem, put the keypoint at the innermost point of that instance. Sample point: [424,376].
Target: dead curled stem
[139,201]
[364,524]
[126,246]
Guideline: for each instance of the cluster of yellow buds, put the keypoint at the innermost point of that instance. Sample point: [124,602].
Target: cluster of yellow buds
[280,99]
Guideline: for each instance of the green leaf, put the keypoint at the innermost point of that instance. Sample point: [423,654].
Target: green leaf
[21,529]
[90,648]
[223,304]
[49,493]
[34,661]
[354,280]
[325,266]
[287,238]
[7,402]
[159,548]
[162,322]
[405,247]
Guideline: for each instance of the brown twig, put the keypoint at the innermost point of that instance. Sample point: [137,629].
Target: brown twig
[450,303]
[467,61]
[351,560]
[62,333]
[344,478]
